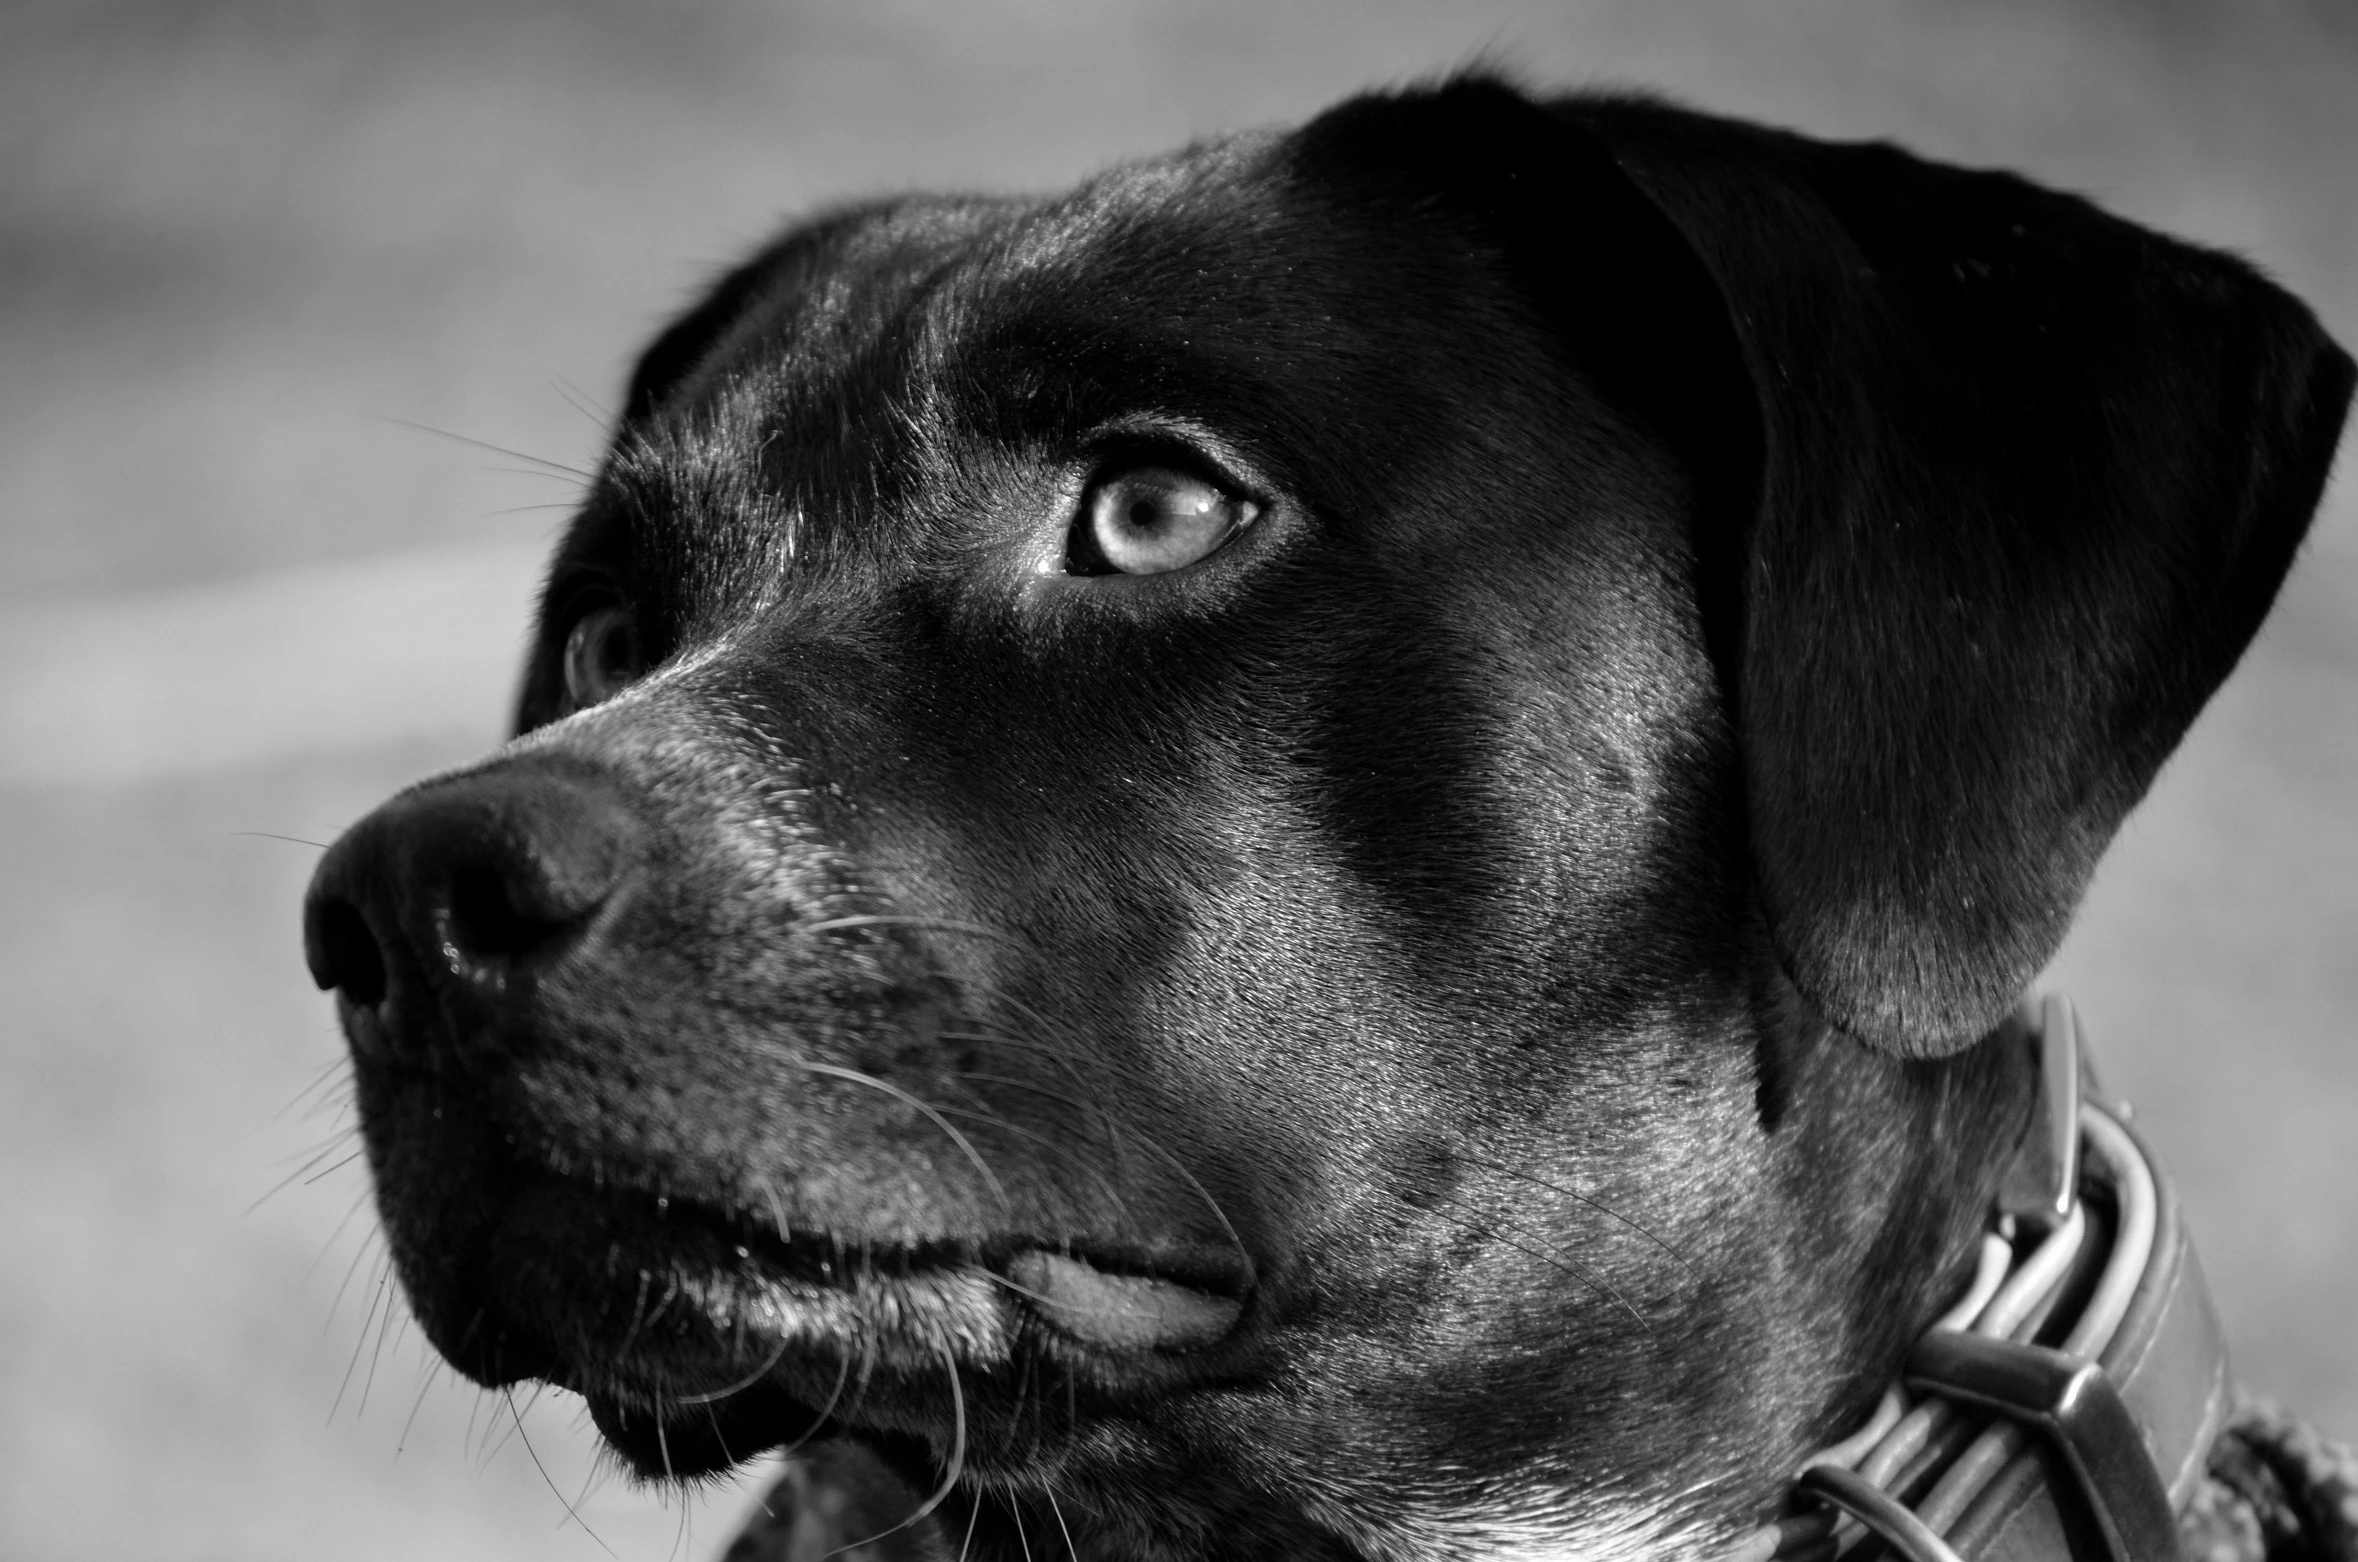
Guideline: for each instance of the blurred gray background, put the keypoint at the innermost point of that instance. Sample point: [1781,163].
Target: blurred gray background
[244,247]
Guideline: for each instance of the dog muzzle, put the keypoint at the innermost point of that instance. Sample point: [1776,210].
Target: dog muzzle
[2062,1411]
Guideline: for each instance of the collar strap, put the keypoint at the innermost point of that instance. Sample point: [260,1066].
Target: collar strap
[2063,1409]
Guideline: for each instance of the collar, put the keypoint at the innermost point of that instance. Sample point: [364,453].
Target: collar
[2063,1409]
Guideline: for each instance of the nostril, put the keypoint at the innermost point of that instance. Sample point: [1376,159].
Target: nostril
[344,955]
[475,877]
[489,921]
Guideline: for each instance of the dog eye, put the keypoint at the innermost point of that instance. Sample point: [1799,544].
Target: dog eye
[601,655]
[1152,519]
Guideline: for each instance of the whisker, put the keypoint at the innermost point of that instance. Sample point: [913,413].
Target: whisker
[426,1377]
[1204,1193]
[510,1396]
[1557,1260]
[573,1508]
[581,401]
[860,1383]
[1114,1129]
[1023,1394]
[1006,1284]
[467,1335]
[718,1436]
[1122,1129]
[1075,1102]
[1062,1152]
[358,1346]
[785,1344]
[998,1034]
[550,468]
[957,1465]
[1574,1194]
[1016,1513]
[1041,1023]
[944,1124]
[350,1270]
[671,1294]
[769,1192]
[334,1100]
[329,1071]
[265,835]
[393,1304]
[335,1142]
[329,1245]
[319,1149]
[638,1314]
[330,1171]
[842,1376]
[1070,1550]
[526,471]
[931,924]
[493,1451]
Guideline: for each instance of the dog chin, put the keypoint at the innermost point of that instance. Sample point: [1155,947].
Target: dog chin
[700,1339]
[730,1364]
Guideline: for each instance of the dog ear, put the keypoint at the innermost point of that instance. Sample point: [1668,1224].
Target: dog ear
[686,342]
[779,267]
[683,346]
[1995,488]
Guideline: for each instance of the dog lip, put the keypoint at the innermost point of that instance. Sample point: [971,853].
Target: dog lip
[921,1298]
[1101,1297]
[1122,1312]
[687,1299]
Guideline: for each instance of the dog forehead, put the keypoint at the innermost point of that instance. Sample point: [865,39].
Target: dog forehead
[1221,287]
[1140,214]
[1234,258]
[1235,254]
[873,302]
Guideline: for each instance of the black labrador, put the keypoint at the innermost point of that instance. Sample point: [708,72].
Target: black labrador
[1323,851]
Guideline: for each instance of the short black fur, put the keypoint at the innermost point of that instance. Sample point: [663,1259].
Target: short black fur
[1474,1015]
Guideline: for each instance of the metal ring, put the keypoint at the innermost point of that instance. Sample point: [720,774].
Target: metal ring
[1868,1503]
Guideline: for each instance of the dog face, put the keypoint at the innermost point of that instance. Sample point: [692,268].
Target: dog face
[1190,848]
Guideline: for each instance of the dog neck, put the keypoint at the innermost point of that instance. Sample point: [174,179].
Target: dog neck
[2063,1408]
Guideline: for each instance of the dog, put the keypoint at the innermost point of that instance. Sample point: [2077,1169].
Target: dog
[1327,850]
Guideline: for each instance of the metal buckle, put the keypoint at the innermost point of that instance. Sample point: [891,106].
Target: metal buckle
[2069,1399]
[2076,1405]
[2042,1182]
[2148,1299]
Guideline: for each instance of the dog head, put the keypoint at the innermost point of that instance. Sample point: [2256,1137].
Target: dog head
[1308,848]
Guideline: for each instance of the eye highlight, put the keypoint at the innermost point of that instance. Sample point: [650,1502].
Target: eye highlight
[602,654]
[1150,520]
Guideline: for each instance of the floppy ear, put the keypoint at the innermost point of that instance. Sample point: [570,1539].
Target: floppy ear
[1995,490]
[683,346]
[781,267]
[686,342]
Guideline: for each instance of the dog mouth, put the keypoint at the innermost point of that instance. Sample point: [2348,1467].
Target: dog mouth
[705,1318]
[679,1315]
[964,1298]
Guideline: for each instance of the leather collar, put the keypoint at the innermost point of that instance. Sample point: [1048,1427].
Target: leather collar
[2063,1409]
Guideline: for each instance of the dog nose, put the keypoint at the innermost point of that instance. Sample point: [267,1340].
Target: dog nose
[472,879]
